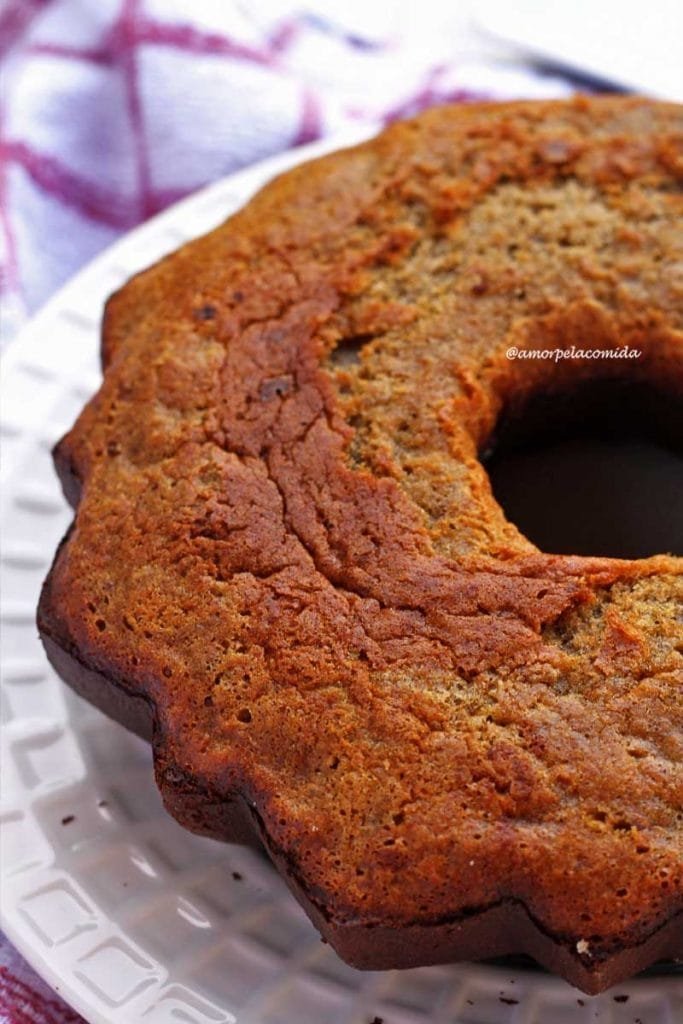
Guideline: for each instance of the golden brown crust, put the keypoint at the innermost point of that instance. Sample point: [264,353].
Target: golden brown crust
[286,542]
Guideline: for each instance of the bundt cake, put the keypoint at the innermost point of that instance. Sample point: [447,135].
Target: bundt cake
[287,568]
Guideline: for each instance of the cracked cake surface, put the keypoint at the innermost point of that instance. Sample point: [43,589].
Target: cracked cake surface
[287,568]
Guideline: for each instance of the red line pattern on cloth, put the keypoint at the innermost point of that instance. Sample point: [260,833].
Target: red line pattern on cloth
[191,40]
[15,19]
[284,35]
[26,1006]
[53,177]
[126,36]
[93,54]
[9,271]
[310,125]
[134,30]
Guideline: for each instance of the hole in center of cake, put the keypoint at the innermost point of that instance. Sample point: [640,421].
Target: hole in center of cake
[593,472]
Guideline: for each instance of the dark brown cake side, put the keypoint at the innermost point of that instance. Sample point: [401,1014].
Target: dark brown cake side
[287,566]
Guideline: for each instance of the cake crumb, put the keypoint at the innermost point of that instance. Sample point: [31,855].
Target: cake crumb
[327,546]
[620,999]
[68,818]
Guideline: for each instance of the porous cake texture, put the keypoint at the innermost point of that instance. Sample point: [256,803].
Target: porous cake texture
[288,570]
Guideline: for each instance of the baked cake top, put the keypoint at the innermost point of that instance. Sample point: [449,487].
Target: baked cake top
[286,540]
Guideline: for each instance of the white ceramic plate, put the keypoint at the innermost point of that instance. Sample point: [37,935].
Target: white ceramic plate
[127,915]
